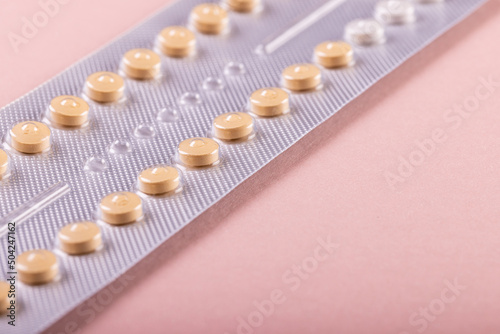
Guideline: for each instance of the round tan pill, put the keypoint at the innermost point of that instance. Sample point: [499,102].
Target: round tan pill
[158,180]
[333,54]
[176,41]
[268,102]
[80,238]
[121,208]
[243,6]
[301,77]
[37,266]
[4,296]
[68,110]
[198,152]
[233,125]
[141,64]
[209,18]
[104,87]
[4,163]
[30,137]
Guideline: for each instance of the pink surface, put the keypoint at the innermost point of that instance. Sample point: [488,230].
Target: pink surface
[398,248]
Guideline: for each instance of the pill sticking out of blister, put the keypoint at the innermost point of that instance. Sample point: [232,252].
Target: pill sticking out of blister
[269,102]
[176,42]
[395,11]
[141,64]
[233,126]
[68,111]
[159,180]
[365,32]
[30,137]
[35,267]
[198,152]
[4,164]
[80,238]
[5,296]
[121,208]
[243,6]
[249,102]
[104,87]
[334,54]
[209,19]
[301,77]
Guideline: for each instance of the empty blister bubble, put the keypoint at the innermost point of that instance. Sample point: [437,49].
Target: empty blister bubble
[190,99]
[120,146]
[212,83]
[365,32]
[234,68]
[144,131]
[168,115]
[96,164]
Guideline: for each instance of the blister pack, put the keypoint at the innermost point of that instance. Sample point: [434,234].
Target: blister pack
[106,161]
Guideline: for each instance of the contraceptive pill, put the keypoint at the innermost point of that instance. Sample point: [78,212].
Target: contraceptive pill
[30,137]
[4,163]
[198,152]
[176,42]
[104,87]
[121,208]
[333,54]
[395,11]
[209,18]
[243,6]
[68,110]
[4,296]
[301,77]
[37,266]
[80,238]
[141,64]
[158,180]
[269,102]
[365,32]
[233,126]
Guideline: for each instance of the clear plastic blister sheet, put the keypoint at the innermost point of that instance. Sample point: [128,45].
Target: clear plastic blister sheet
[82,167]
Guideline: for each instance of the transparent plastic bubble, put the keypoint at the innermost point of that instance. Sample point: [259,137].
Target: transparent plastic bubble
[120,146]
[168,115]
[234,68]
[212,83]
[144,131]
[96,164]
[190,99]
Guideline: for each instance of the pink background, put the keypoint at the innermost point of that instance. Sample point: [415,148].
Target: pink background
[396,247]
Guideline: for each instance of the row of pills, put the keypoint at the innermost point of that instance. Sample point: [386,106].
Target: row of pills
[40,266]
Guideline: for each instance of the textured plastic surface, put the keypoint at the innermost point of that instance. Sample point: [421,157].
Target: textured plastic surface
[124,246]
